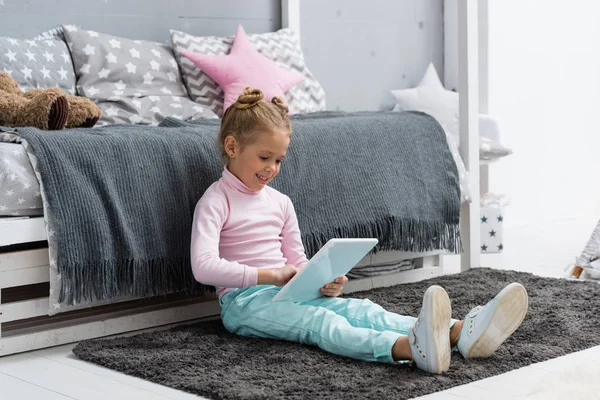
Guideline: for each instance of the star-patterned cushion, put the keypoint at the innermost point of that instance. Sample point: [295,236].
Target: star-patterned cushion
[132,81]
[243,67]
[282,47]
[38,63]
[20,192]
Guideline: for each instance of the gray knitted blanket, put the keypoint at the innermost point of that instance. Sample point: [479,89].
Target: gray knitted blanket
[120,199]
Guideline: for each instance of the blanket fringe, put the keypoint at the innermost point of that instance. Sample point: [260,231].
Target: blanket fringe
[393,234]
[147,278]
[127,278]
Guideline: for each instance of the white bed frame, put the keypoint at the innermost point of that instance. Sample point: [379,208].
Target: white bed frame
[25,324]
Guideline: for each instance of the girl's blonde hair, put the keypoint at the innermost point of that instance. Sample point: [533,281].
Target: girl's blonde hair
[250,115]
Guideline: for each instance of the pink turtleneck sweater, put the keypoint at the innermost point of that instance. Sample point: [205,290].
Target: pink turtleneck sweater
[237,230]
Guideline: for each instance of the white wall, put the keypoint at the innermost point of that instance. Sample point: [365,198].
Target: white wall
[544,66]
[360,50]
[127,18]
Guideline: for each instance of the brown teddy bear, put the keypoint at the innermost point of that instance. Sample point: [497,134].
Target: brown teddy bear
[48,109]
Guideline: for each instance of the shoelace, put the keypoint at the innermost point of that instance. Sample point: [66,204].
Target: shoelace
[414,328]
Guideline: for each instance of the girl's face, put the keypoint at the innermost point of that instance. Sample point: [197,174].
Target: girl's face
[257,163]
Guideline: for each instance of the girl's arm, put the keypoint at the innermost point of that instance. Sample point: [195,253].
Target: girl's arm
[291,243]
[208,268]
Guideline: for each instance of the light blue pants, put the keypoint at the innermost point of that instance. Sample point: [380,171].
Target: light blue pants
[353,328]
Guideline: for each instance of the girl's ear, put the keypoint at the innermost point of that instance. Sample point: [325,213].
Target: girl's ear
[230,146]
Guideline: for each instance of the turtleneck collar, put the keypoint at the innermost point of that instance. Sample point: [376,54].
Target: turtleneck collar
[236,183]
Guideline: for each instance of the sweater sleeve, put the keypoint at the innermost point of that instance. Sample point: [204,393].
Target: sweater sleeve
[208,268]
[291,242]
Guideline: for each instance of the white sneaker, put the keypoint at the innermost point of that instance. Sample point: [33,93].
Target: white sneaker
[486,328]
[429,336]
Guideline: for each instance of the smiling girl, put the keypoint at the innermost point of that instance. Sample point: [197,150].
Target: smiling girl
[246,242]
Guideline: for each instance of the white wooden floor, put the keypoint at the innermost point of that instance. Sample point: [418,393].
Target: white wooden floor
[543,249]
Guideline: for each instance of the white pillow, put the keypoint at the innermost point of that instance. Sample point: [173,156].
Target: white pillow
[432,98]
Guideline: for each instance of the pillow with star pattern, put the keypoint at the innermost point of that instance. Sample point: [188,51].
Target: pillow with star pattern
[132,81]
[282,47]
[38,63]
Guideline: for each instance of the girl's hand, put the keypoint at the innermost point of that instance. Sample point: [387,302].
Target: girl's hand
[334,288]
[282,275]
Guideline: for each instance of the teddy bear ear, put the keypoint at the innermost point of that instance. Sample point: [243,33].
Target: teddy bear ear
[8,84]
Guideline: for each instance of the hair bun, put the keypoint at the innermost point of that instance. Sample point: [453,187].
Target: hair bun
[278,101]
[249,98]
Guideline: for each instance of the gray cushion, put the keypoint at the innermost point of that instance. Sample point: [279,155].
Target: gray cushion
[38,63]
[132,81]
[283,47]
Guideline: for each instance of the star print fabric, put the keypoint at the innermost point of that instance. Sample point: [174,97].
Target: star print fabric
[132,81]
[20,192]
[38,63]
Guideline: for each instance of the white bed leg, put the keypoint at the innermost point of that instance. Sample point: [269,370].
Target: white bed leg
[290,14]
[468,78]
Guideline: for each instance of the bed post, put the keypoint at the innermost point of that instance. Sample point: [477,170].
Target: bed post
[290,15]
[468,79]
[483,29]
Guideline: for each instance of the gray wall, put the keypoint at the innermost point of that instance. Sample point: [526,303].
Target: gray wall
[360,50]
[139,19]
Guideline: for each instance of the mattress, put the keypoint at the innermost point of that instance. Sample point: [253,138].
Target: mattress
[19,188]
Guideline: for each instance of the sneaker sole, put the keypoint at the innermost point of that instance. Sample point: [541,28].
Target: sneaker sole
[507,318]
[438,304]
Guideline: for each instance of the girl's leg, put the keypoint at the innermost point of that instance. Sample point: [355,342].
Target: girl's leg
[363,313]
[250,312]
[429,340]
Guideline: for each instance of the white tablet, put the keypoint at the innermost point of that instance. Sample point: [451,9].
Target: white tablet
[333,260]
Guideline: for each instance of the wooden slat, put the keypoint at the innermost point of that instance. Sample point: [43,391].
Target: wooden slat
[24,309]
[16,342]
[113,309]
[26,292]
[25,276]
[23,259]
[13,231]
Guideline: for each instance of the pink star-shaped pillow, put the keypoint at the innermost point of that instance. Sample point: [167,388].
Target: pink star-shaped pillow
[245,67]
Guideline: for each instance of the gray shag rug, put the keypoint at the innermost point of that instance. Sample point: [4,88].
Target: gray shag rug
[203,358]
